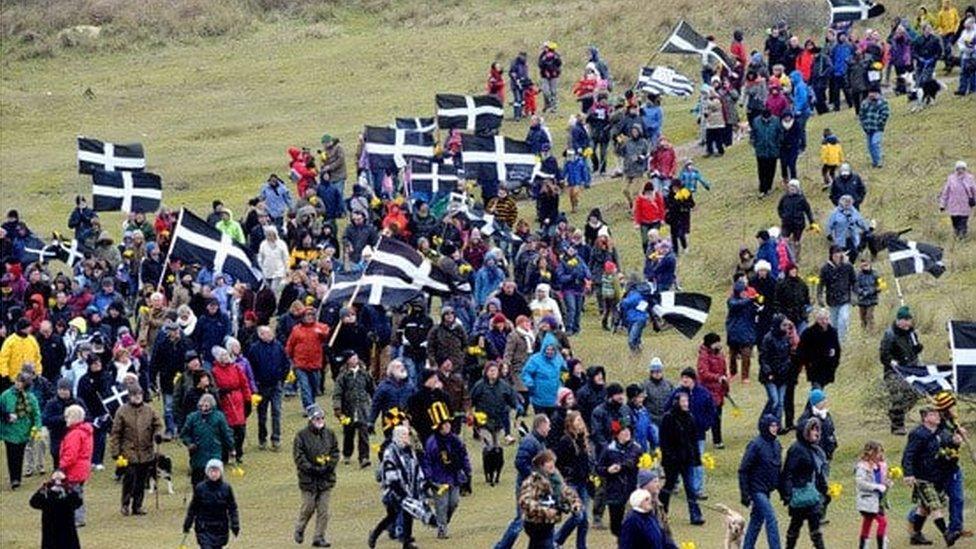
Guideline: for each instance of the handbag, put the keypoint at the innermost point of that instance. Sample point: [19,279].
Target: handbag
[804,497]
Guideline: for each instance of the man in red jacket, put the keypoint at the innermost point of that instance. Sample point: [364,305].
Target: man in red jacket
[713,376]
[304,348]
[75,458]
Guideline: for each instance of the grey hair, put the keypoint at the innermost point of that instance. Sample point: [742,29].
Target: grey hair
[230,341]
[539,420]
[846,200]
[822,313]
[391,367]
[74,414]
[207,398]
[271,230]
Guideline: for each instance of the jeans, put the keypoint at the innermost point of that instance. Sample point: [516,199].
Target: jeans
[671,476]
[634,334]
[308,382]
[574,308]
[168,418]
[967,80]
[411,367]
[761,512]
[774,400]
[576,520]
[514,527]
[698,472]
[270,396]
[840,318]
[445,504]
[550,91]
[874,147]
[956,500]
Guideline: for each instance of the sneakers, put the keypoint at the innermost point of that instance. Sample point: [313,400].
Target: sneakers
[275,446]
[719,445]
[262,446]
[363,464]
[98,467]
[125,510]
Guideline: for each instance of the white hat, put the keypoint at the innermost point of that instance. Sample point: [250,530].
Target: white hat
[845,168]
[637,497]
[763,265]
[794,183]
[961,165]
[773,232]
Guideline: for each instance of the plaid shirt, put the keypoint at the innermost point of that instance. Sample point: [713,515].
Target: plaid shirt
[874,115]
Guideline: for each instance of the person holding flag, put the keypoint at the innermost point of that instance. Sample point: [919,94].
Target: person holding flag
[900,347]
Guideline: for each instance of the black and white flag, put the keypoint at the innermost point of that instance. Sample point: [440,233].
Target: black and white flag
[424,125]
[910,257]
[388,291]
[480,114]
[36,250]
[684,40]
[928,379]
[686,311]
[390,148]
[497,158]
[842,11]
[664,81]
[94,154]
[393,258]
[427,180]
[194,241]
[69,252]
[962,340]
[126,191]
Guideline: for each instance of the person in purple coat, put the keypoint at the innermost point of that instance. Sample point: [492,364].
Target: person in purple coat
[445,464]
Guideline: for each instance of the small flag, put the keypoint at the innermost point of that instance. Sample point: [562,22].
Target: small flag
[388,291]
[389,148]
[36,251]
[842,11]
[684,40]
[910,257]
[94,154]
[195,241]
[928,379]
[480,114]
[962,341]
[126,191]
[393,258]
[426,180]
[664,81]
[497,158]
[686,311]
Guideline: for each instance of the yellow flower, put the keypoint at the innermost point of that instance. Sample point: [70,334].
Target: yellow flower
[645,461]
[321,459]
[736,412]
[814,228]
[683,194]
[896,472]
[256,399]
[143,310]
[442,489]
[121,462]
[813,280]
[587,152]
[657,454]
[464,268]
[480,418]
[375,202]
[290,378]
[834,489]
[882,285]
[688,545]
[237,471]
[564,376]
[572,262]
[344,420]
[375,448]
[596,481]
[708,461]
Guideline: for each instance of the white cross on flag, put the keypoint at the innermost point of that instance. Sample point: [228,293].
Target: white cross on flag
[113,402]
[126,191]
[686,311]
[853,10]
[426,180]
[389,148]
[424,125]
[194,241]
[910,257]
[685,40]
[497,158]
[474,113]
[929,379]
[94,154]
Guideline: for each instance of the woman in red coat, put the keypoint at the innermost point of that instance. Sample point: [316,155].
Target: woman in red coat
[713,375]
[75,457]
[234,391]
[496,82]
[648,211]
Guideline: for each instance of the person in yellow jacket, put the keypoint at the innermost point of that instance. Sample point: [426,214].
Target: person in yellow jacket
[923,18]
[19,348]
[947,23]
[831,156]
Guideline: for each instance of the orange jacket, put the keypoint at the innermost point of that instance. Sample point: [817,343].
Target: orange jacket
[304,346]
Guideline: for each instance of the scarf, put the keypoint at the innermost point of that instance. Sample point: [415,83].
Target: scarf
[527,335]
[556,482]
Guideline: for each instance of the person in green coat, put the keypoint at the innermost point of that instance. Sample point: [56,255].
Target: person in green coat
[20,417]
[207,436]
[766,137]
[316,454]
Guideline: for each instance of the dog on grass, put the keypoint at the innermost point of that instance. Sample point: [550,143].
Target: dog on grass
[163,473]
[735,527]
[920,96]
[877,242]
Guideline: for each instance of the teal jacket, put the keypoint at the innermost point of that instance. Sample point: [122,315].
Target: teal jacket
[24,405]
[767,135]
[210,433]
[543,375]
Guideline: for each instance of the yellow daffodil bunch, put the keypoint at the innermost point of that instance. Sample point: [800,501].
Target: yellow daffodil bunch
[596,481]
[475,350]
[688,545]
[564,376]
[144,310]
[646,461]
[375,202]
[882,284]
[322,459]
[683,194]
[708,461]
[588,152]
[572,262]
[121,462]
[895,472]
[344,420]
[813,280]
[442,489]
[290,378]
[815,228]
[256,399]
[465,268]
[237,471]
[834,490]
[480,418]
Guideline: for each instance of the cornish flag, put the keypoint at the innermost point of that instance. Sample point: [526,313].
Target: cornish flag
[393,258]
[69,252]
[474,113]
[962,341]
[390,148]
[126,191]
[426,180]
[497,158]
[928,379]
[461,205]
[910,257]
[684,40]
[425,125]
[36,251]
[687,312]
[94,154]
[664,81]
[388,291]
[194,241]
[842,11]
[114,399]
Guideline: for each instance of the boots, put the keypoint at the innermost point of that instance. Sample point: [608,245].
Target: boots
[791,540]
[817,539]
[486,465]
[694,511]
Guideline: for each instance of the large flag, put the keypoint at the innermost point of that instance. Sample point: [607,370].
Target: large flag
[388,291]
[427,180]
[928,379]
[962,340]
[390,148]
[842,11]
[36,250]
[425,125]
[664,81]
[94,154]
[687,312]
[910,257]
[393,258]
[194,241]
[69,252]
[497,158]
[478,113]
[683,39]
[126,191]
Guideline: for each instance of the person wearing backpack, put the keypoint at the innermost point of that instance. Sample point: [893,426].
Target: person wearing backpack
[803,484]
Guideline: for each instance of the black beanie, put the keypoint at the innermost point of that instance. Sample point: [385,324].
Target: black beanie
[633,390]
[614,389]
[712,338]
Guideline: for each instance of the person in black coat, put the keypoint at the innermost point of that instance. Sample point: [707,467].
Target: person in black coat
[575,463]
[819,350]
[794,215]
[758,477]
[803,484]
[617,468]
[593,393]
[213,509]
[789,148]
[680,455]
[52,416]
[774,365]
[793,296]
[57,503]
[849,183]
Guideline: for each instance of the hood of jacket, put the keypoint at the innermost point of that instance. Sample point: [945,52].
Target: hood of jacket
[764,422]
[545,288]
[294,153]
[592,372]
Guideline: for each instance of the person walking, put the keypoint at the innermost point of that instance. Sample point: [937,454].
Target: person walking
[900,347]
[958,198]
[837,280]
[57,503]
[575,463]
[445,463]
[531,445]
[873,118]
[641,529]
[617,468]
[234,391]
[316,454]
[872,483]
[775,366]
[351,401]
[304,348]
[819,350]
[713,375]
[134,430]
[543,498]
[20,418]
[550,68]
[766,138]
[923,473]
[206,436]
[403,482]
[212,512]
[680,455]
[270,365]
[75,457]
[804,484]
[759,475]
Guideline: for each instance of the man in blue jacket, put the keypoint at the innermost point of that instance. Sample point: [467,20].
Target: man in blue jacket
[840,57]
[393,391]
[270,366]
[530,446]
[758,477]
[702,408]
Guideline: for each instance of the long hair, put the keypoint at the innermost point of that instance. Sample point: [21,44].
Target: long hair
[574,432]
[871,449]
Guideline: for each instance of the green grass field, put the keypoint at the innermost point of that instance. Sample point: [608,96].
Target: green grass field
[216,115]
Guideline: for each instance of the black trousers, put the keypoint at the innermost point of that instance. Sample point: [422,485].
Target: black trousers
[134,484]
[715,140]
[767,173]
[15,460]
[616,517]
[392,512]
[789,411]
[355,432]
[717,426]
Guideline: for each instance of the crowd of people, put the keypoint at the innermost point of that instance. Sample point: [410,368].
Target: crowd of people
[128,352]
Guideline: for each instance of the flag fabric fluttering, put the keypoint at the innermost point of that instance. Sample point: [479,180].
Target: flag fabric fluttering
[194,241]
[36,250]
[843,11]
[102,155]
[480,114]
[664,81]
[684,40]
[390,148]
[388,291]
[428,180]
[126,191]
[497,158]
[393,258]
[962,341]
[928,379]
[417,124]
[686,311]
[910,257]
[69,252]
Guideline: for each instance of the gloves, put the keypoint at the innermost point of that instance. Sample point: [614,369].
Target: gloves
[745,501]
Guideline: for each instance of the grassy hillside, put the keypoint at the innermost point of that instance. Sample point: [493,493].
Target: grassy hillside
[216,114]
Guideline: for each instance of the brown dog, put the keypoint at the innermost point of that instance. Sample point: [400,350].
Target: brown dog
[735,527]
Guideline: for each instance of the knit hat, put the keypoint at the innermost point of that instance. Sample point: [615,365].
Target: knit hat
[961,165]
[633,390]
[689,372]
[190,355]
[561,395]
[314,411]
[774,232]
[904,313]
[64,383]
[817,396]
[610,267]
[326,139]
[551,321]
[763,265]
[944,400]
[499,319]
[614,389]
[215,464]
[250,316]
[426,374]
[711,338]
[762,234]
[647,475]
[656,365]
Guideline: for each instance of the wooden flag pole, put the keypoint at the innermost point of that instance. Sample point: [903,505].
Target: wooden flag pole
[169,252]
[352,298]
